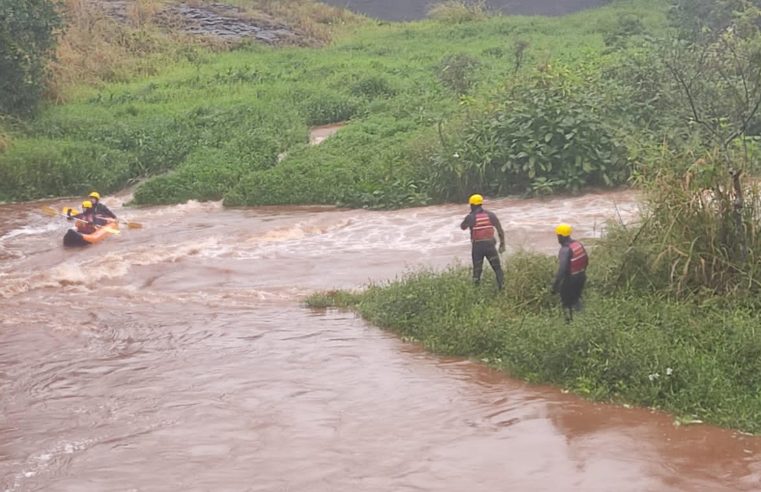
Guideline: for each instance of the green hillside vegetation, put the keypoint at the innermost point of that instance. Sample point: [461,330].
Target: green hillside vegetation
[234,125]
[672,304]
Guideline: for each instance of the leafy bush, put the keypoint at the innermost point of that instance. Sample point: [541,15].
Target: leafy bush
[35,168]
[324,108]
[547,133]
[27,38]
[457,72]
[373,87]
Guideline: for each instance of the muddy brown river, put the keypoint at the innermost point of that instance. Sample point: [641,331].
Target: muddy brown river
[180,357]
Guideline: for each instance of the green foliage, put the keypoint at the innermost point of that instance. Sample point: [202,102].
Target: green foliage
[689,241]
[356,167]
[234,125]
[333,298]
[328,107]
[32,168]
[702,19]
[457,72]
[628,28]
[373,87]
[547,133]
[27,38]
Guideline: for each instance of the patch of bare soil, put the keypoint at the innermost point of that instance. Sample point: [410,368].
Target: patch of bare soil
[212,20]
[227,23]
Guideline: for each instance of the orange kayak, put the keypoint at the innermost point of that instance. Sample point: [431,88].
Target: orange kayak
[76,238]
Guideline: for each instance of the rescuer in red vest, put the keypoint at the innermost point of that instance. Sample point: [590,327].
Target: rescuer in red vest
[571,275]
[482,224]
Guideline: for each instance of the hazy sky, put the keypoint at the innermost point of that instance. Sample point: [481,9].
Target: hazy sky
[416,9]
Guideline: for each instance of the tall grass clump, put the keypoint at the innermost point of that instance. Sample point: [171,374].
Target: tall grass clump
[691,239]
[32,168]
[458,11]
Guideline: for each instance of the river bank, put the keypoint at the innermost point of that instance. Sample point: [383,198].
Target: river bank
[696,358]
[205,124]
[179,356]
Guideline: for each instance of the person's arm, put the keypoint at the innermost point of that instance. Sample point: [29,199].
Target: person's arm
[564,266]
[501,233]
[103,210]
[467,222]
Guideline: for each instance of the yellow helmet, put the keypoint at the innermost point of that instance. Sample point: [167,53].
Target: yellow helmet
[476,199]
[87,204]
[95,195]
[563,230]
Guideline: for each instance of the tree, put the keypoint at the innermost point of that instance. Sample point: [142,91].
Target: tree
[27,39]
[716,88]
[697,20]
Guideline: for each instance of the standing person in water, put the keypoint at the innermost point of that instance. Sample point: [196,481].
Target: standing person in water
[571,275]
[100,209]
[482,224]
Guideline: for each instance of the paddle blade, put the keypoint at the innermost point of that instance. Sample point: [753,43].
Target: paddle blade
[66,210]
[49,211]
[134,225]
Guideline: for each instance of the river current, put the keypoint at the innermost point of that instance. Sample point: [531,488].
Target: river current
[180,356]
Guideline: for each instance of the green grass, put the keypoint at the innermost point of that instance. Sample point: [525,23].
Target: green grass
[212,126]
[695,359]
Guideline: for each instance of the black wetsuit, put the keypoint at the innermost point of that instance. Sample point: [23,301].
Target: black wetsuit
[486,248]
[103,211]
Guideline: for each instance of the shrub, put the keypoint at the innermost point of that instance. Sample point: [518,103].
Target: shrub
[547,133]
[457,72]
[328,107]
[37,168]
[27,38]
[457,11]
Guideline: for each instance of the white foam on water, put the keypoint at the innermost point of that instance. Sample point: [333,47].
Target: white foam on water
[42,462]
[30,230]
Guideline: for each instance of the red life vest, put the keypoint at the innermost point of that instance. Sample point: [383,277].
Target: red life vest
[85,225]
[579,258]
[483,230]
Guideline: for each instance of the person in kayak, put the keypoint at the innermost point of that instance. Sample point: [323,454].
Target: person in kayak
[482,224]
[88,223]
[100,209]
[571,275]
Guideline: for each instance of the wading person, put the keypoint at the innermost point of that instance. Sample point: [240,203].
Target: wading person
[100,209]
[482,224]
[571,275]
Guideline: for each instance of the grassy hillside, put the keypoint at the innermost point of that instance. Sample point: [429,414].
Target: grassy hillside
[212,125]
